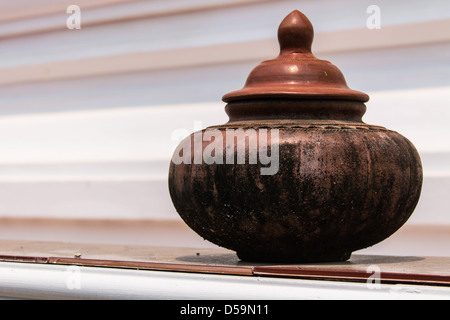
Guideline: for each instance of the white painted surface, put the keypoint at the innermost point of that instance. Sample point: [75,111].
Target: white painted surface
[26,281]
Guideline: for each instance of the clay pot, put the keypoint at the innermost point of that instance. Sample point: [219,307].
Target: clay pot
[295,175]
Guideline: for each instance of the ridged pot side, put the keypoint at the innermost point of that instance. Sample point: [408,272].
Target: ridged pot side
[338,188]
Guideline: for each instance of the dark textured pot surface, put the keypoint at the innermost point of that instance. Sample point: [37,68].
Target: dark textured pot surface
[340,187]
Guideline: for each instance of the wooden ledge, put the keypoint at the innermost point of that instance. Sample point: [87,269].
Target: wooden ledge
[361,268]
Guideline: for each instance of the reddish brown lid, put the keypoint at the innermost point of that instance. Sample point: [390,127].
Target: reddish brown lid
[296,72]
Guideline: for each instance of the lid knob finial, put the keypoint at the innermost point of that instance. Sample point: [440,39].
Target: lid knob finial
[295,33]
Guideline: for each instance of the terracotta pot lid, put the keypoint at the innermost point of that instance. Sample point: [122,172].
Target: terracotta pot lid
[296,72]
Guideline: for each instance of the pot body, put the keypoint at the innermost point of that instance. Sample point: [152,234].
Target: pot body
[336,187]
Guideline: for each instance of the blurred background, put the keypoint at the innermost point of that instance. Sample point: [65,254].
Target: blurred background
[90,113]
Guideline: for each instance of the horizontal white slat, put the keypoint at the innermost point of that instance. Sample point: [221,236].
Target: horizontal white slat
[184,34]
[197,37]
[420,114]
[42,15]
[26,10]
[147,133]
[45,15]
[108,200]
[424,66]
[84,171]
[137,57]
[117,135]
[24,281]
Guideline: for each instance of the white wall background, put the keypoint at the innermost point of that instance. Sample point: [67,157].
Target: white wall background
[87,116]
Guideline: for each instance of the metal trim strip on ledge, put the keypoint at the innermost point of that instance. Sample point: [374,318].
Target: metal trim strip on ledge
[302,272]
